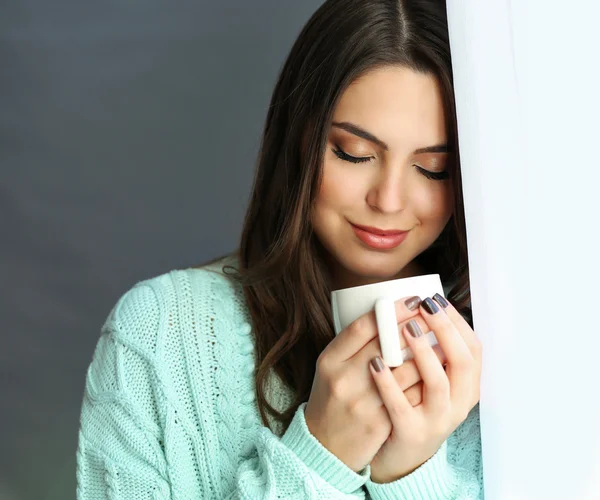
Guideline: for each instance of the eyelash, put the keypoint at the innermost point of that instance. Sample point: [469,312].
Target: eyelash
[436,176]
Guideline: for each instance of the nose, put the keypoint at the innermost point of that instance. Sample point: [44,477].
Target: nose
[388,194]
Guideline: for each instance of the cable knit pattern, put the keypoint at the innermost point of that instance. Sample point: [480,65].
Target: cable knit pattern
[169,411]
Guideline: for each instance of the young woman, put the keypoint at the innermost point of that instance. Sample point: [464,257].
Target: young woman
[227,381]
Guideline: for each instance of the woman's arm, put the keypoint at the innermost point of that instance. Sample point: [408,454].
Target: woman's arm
[119,454]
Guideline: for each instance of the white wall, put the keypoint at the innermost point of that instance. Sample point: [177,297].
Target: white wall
[527,84]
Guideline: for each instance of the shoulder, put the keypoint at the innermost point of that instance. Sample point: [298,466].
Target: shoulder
[215,292]
[174,301]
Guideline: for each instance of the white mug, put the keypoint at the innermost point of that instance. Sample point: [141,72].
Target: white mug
[348,304]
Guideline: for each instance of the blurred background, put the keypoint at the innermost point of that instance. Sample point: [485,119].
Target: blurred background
[128,138]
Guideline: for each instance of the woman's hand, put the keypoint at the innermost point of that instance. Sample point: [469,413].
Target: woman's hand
[345,411]
[449,393]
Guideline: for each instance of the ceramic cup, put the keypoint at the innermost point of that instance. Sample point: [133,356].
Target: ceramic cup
[348,304]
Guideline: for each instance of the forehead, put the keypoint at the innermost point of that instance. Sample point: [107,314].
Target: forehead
[400,106]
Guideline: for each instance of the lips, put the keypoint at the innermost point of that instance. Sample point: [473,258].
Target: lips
[378,241]
[380,232]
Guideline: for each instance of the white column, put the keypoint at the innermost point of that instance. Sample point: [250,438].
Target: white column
[527,77]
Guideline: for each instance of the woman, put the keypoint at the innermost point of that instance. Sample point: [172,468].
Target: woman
[208,383]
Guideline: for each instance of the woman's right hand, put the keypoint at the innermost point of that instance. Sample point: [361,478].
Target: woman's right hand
[344,411]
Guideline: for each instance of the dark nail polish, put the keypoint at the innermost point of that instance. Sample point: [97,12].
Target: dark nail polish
[377,364]
[429,306]
[413,303]
[441,300]
[413,328]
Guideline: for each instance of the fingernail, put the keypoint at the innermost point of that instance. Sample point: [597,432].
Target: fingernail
[441,300]
[429,306]
[413,303]
[377,364]
[413,328]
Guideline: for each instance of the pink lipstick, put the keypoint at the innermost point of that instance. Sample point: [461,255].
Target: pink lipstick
[380,239]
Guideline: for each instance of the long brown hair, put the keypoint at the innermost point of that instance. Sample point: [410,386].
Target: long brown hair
[282,264]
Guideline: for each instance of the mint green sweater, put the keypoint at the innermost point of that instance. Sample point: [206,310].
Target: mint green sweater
[169,412]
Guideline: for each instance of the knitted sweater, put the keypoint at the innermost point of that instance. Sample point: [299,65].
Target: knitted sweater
[169,411]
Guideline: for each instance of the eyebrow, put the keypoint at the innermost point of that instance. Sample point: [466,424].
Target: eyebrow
[360,132]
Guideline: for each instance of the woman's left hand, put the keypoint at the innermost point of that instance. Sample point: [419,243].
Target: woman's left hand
[449,393]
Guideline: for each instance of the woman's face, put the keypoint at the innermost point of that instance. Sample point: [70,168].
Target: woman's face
[384,167]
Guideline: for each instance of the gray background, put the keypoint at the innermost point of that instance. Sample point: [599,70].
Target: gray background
[128,138]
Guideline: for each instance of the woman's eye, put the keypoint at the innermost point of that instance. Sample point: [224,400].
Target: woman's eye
[353,159]
[436,176]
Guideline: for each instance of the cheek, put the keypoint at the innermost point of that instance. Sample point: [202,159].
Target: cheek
[340,188]
[434,203]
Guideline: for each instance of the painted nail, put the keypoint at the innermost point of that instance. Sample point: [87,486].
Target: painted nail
[377,364]
[413,303]
[429,306]
[413,328]
[441,300]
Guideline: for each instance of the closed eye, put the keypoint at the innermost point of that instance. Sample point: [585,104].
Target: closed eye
[435,176]
[353,159]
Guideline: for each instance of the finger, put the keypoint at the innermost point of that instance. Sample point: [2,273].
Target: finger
[449,338]
[461,324]
[360,332]
[352,338]
[397,405]
[414,394]
[468,397]
[407,308]
[436,391]
[461,368]
[408,374]
[425,328]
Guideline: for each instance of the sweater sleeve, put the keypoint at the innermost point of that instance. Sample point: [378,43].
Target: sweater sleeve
[296,466]
[119,453]
[455,472]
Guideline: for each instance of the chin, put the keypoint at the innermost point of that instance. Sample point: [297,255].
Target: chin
[381,266]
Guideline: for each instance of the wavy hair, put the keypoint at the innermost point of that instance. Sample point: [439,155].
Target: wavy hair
[282,264]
